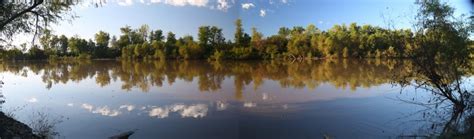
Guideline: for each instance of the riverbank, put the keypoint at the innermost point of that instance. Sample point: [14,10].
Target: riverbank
[12,128]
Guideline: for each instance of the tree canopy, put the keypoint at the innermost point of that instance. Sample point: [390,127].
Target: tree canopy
[437,34]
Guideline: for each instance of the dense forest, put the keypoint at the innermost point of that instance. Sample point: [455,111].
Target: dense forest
[435,35]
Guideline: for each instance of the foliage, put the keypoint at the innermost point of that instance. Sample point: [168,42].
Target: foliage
[31,16]
[438,35]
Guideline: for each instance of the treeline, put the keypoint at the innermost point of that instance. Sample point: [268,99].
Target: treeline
[297,42]
[436,35]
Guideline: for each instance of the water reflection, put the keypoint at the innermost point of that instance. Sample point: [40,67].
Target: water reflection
[193,111]
[296,99]
[449,110]
[197,110]
[2,98]
[210,75]
[102,110]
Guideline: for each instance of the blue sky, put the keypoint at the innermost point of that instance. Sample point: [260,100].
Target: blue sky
[183,17]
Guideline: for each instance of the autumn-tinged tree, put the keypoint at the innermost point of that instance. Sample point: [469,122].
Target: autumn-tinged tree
[189,49]
[239,33]
[257,41]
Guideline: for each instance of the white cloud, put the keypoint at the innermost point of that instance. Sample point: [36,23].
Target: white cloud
[32,100]
[223,5]
[128,107]
[321,22]
[284,1]
[176,2]
[198,3]
[247,5]
[125,2]
[263,13]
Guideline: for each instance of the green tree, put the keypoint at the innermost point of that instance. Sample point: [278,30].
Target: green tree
[170,45]
[45,39]
[204,37]
[275,46]
[143,32]
[217,40]
[156,35]
[124,39]
[36,53]
[439,33]
[114,50]
[102,41]
[78,46]
[63,42]
[284,32]
[299,42]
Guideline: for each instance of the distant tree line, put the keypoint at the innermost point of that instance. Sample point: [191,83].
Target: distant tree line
[437,35]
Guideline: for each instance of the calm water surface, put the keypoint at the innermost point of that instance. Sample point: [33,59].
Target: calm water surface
[228,99]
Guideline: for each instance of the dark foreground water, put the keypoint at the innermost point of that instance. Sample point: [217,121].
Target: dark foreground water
[228,99]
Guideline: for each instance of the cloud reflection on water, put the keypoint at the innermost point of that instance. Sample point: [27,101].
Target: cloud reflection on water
[186,111]
[197,110]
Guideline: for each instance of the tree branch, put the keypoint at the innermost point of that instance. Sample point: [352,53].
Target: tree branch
[29,9]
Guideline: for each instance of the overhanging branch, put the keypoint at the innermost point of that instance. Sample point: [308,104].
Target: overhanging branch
[29,9]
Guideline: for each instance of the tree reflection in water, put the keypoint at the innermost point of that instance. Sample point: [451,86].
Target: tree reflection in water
[210,75]
[449,110]
[2,98]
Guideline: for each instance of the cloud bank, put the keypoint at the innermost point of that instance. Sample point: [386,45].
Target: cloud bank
[221,5]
